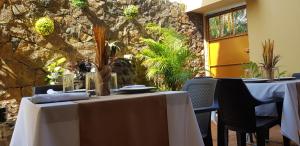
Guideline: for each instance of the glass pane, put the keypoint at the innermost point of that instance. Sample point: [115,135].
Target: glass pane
[240,21]
[226,25]
[214,27]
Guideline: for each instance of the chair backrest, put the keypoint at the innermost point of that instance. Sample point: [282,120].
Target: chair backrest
[44,89]
[236,105]
[201,91]
[296,75]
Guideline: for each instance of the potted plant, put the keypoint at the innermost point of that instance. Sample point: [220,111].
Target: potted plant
[166,62]
[269,59]
[44,26]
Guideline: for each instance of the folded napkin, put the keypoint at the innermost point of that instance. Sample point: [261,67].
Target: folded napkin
[47,98]
[134,86]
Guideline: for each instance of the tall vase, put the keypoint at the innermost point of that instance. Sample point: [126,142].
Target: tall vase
[268,73]
[102,81]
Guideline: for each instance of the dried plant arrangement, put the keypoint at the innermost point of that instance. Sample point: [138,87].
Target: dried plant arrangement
[101,61]
[269,59]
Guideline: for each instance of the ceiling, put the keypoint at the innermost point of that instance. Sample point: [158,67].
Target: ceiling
[209,6]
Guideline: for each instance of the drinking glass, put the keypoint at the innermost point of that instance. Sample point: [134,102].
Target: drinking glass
[90,83]
[276,72]
[68,82]
[113,82]
[270,74]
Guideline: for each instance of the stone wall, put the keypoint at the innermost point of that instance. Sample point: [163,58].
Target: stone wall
[24,53]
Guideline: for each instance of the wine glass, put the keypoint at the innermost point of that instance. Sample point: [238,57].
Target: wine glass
[90,83]
[113,83]
[68,82]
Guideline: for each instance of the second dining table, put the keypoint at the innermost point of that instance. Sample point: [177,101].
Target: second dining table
[290,92]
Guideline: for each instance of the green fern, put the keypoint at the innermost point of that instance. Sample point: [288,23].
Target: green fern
[166,58]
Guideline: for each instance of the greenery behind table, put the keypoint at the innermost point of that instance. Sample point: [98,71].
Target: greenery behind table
[55,70]
[252,70]
[166,58]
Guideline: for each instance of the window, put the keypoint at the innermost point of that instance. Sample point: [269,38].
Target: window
[229,23]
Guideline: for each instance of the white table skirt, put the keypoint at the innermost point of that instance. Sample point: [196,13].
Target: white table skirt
[290,123]
[56,124]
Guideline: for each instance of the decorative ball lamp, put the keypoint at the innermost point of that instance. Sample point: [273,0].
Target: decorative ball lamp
[131,12]
[44,26]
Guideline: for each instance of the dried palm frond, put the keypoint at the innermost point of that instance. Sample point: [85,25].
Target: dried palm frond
[269,60]
[101,61]
[101,58]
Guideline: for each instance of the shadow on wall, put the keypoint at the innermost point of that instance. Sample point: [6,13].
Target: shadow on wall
[23,53]
[5,74]
[63,47]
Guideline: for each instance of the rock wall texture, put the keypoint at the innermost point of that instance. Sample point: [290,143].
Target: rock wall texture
[24,53]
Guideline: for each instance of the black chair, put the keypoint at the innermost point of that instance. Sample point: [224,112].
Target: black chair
[44,89]
[296,75]
[237,113]
[201,91]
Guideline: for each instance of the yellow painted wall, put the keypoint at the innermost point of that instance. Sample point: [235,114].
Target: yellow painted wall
[278,20]
[226,54]
[227,71]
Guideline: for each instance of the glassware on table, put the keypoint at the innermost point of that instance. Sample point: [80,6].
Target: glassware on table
[247,73]
[90,83]
[68,82]
[270,73]
[113,83]
[276,73]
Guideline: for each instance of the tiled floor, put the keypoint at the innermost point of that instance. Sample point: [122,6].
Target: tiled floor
[275,137]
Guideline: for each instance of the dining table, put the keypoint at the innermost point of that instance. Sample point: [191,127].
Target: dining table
[289,90]
[159,118]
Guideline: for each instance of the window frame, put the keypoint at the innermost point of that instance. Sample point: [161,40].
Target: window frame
[207,30]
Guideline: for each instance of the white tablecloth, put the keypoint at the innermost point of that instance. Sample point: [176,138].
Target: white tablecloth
[290,123]
[56,124]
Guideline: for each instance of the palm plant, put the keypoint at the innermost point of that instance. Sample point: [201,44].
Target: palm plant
[251,70]
[166,58]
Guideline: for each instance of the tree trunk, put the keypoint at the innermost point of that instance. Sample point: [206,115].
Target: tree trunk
[101,61]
